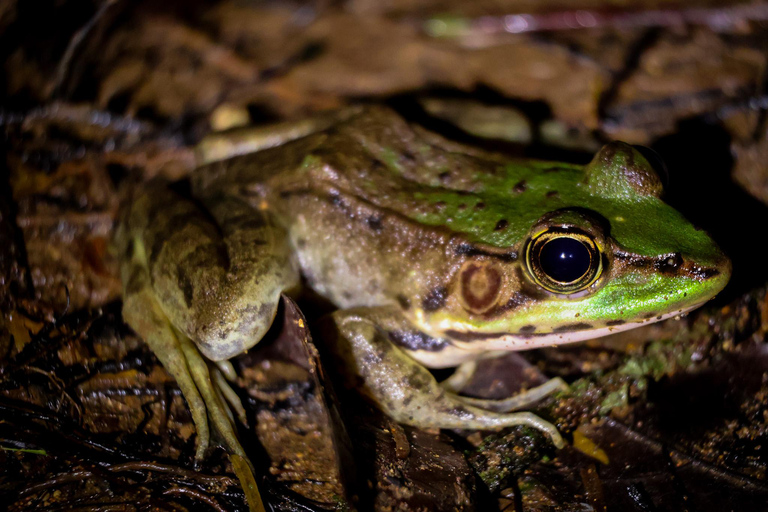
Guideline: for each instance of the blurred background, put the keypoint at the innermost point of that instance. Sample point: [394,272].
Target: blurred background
[95,95]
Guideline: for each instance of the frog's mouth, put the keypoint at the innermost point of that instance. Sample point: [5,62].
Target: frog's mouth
[530,339]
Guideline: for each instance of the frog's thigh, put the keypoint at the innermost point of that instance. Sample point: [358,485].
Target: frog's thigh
[228,144]
[404,389]
[219,281]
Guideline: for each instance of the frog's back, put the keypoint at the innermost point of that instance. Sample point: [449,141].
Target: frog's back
[375,206]
[376,157]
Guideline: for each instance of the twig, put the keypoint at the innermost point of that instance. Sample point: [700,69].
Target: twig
[75,42]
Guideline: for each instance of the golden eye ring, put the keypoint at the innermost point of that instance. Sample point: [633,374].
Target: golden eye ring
[563,261]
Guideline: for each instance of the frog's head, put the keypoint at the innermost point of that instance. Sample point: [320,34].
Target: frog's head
[606,255]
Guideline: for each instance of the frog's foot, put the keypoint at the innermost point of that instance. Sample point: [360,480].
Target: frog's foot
[405,390]
[208,382]
[203,283]
[464,373]
[216,393]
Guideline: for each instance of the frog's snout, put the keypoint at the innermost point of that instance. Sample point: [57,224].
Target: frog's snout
[707,278]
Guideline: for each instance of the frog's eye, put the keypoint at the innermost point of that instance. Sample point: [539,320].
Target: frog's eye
[563,262]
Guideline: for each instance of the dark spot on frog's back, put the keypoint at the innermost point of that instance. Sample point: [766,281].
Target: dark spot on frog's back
[185,284]
[632,259]
[253,316]
[407,157]
[377,165]
[520,187]
[374,222]
[516,300]
[263,312]
[552,194]
[527,329]
[172,225]
[670,264]
[435,299]
[612,323]
[703,273]
[404,302]
[502,224]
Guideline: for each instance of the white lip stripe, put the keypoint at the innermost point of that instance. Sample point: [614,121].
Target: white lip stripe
[461,351]
[509,342]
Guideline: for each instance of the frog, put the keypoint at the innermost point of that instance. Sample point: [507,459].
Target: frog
[434,253]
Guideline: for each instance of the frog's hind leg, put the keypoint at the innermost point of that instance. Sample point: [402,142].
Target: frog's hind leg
[404,389]
[195,285]
[240,141]
[181,359]
[464,373]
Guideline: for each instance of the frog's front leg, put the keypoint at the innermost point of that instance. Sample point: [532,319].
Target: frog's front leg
[404,389]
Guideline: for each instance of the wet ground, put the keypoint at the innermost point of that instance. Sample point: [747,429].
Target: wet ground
[98,95]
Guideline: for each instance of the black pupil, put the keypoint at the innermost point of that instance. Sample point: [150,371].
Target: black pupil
[564,259]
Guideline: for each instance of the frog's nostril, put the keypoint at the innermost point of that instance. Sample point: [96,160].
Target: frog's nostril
[670,263]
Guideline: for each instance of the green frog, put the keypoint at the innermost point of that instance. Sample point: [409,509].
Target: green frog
[436,255]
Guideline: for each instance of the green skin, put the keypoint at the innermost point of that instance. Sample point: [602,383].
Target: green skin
[426,247]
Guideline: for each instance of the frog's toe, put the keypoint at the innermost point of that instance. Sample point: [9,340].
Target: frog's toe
[460,377]
[226,369]
[202,392]
[142,312]
[229,396]
[519,401]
